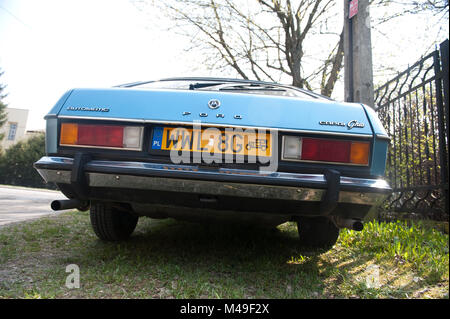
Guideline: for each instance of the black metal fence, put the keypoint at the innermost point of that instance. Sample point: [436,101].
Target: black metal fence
[413,107]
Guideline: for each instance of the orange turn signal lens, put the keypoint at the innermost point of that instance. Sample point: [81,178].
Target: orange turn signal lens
[359,153]
[69,134]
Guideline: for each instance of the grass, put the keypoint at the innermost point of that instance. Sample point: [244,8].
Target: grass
[171,259]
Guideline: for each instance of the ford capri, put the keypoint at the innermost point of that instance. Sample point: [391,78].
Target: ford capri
[213,149]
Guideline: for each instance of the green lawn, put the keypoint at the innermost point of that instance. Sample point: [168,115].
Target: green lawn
[171,259]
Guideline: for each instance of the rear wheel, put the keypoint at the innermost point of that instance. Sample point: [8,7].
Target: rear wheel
[317,232]
[111,223]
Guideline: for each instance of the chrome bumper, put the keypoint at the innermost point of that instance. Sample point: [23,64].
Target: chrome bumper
[221,181]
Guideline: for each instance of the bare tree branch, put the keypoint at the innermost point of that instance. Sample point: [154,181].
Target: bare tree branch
[265,40]
[329,79]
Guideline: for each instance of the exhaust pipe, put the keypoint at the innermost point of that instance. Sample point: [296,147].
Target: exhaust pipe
[357,225]
[353,224]
[69,204]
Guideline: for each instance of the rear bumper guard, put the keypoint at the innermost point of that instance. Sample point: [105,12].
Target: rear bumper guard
[327,189]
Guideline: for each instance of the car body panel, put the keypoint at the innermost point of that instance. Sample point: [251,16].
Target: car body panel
[257,111]
[379,156]
[377,126]
[59,104]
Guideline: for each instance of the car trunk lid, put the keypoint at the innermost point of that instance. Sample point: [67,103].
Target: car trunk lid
[236,109]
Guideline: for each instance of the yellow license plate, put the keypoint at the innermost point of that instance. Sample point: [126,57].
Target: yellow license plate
[213,140]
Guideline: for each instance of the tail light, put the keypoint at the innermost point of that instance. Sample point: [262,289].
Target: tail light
[107,136]
[326,150]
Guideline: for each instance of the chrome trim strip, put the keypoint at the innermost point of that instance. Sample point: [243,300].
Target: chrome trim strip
[211,187]
[103,147]
[364,136]
[99,118]
[383,137]
[205,187]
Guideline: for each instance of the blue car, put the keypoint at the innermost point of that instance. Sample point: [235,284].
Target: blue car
[213,149]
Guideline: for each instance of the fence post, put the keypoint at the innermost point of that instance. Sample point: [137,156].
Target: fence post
[444,50]
[442,125]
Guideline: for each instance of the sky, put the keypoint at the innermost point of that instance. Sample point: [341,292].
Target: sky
[50,46]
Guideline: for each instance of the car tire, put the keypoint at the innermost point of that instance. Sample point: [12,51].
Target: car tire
[317,232]
[110,223]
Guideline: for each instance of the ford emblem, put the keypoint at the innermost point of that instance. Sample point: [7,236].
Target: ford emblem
[213,104]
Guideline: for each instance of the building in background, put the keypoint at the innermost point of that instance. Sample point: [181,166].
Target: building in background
[14,128]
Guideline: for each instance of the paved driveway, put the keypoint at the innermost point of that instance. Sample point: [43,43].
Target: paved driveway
[18,204]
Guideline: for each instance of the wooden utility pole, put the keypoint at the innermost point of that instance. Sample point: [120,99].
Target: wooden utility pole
[358,53]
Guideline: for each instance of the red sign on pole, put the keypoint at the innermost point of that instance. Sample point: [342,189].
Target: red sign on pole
[352,8]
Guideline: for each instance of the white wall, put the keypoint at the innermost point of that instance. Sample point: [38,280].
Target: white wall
[17,117]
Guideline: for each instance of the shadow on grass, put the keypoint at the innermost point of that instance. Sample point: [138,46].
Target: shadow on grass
[192,243]
[226,261]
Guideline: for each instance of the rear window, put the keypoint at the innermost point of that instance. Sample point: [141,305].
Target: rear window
[232,87]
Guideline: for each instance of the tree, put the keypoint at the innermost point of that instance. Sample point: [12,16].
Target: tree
[436,7]
[16,164]
[264,39]
[409,28]
[2,107]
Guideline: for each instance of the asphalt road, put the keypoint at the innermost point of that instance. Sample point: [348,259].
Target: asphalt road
[19,204]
